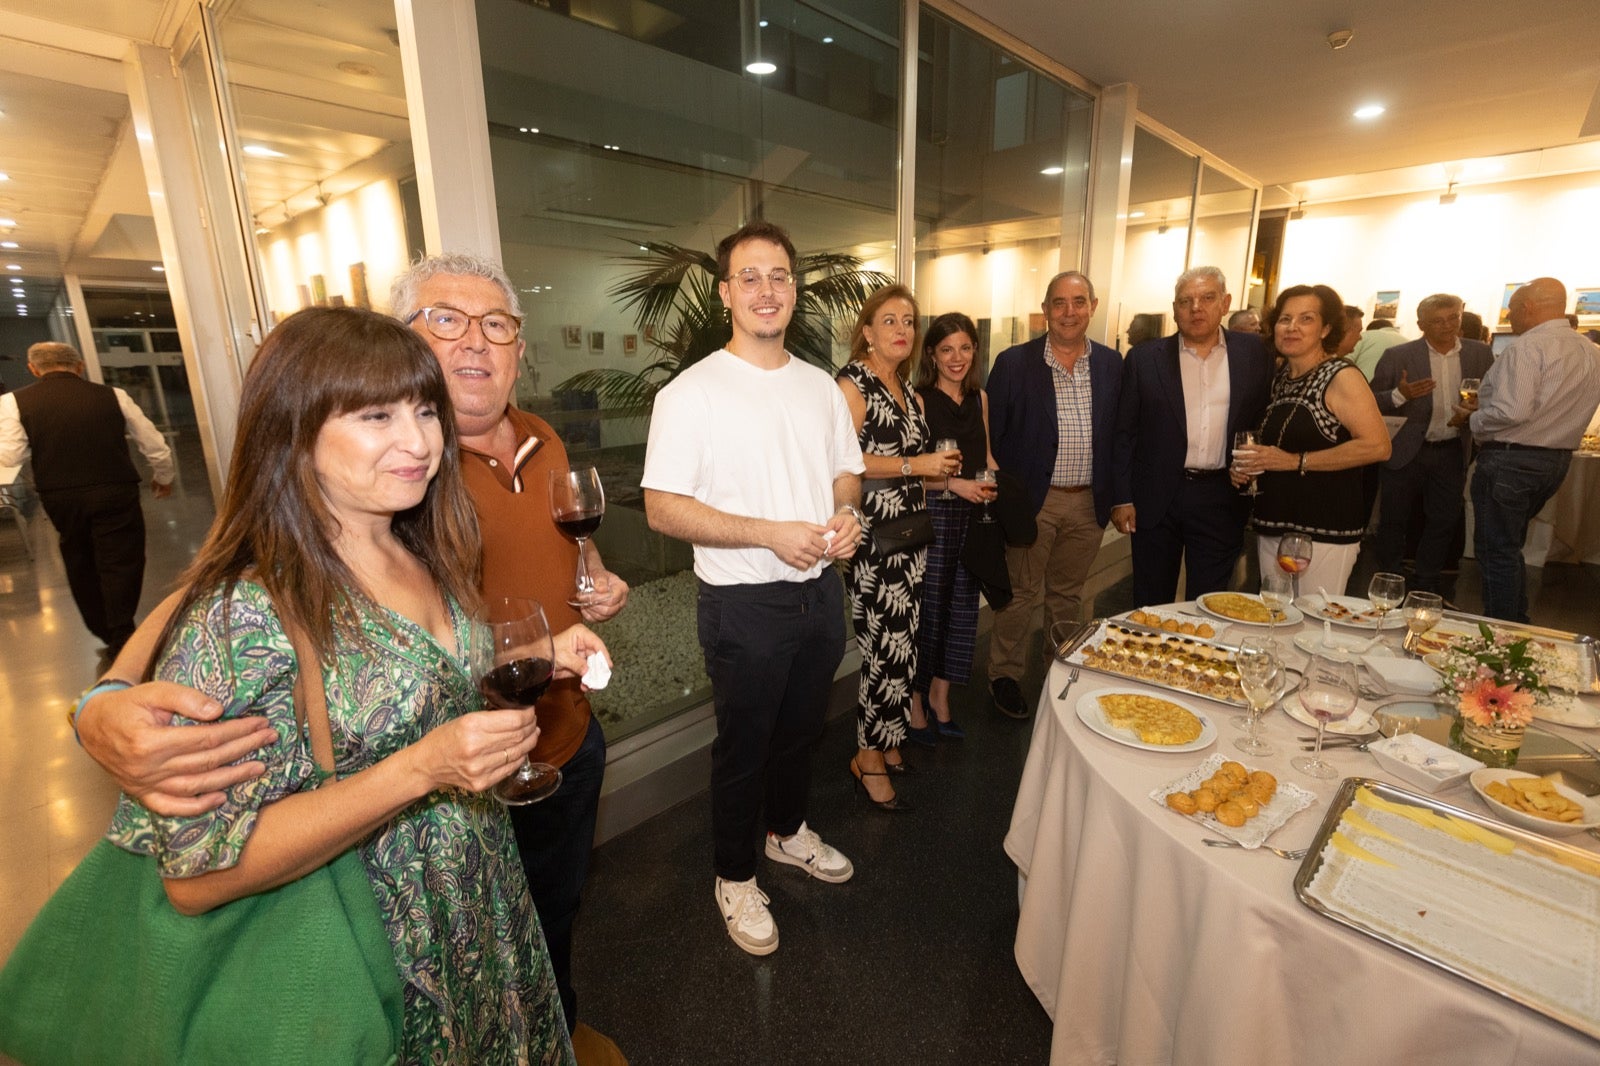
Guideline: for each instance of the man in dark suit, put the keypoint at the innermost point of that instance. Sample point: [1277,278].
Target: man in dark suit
[1428,467]
[1052,412]
[1183,398]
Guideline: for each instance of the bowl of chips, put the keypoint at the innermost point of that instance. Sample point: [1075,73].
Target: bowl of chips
[1542,804]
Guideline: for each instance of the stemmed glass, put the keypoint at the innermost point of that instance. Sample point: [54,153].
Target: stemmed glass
[1261,680]
[578,503]
[946,444]
[1422,611]
[1468,391]
[1276,593]
[1386,591]
[513,659]
[1294,557]
[1328,692]
[985,477]
[1246,439]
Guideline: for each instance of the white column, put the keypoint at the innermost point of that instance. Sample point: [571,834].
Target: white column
[449,125]
[170,155]
[1108,201]
[83,327]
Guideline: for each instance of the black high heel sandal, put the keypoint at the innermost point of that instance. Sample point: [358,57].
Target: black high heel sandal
[893,804]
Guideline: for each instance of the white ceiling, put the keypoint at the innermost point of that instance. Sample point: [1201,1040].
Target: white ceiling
[1252,81]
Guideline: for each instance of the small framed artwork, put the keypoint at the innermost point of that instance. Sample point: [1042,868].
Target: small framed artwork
[650,331]
[1588,303]
[1386,304]
[572,336]
[358,286]
[597,342]
[1505,301]
[630,344]
[319,290]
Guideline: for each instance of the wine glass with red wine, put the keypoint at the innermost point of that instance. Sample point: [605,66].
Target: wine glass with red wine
[578,503]
[513,661]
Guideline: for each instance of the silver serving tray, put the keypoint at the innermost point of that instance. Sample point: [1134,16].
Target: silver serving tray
[1484,977]
[1587,647]
[1071,640]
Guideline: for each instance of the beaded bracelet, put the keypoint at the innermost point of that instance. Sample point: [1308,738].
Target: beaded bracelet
[110,684]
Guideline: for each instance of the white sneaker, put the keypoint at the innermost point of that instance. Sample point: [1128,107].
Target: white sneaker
[806,850]
[744,909]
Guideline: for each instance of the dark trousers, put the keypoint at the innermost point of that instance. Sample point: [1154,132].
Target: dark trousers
[1202,529]
[1435,481]
[1508,489]
[771,651]
[555,837]
[102,548]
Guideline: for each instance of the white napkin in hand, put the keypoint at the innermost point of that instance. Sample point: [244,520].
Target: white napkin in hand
[598,676]
[1405,675]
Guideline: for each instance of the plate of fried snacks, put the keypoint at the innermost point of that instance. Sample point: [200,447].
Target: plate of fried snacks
[1183,625]
[1244,805]
[1141,720]
[1242,607]
[1541,804]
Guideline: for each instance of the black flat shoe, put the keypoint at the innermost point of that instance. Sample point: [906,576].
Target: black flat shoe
[894,803]
[927,736]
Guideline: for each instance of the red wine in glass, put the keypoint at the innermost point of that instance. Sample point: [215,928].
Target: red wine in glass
[512,662]
[518,683]
[578,503]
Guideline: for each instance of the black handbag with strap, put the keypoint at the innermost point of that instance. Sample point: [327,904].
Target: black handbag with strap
[905,533]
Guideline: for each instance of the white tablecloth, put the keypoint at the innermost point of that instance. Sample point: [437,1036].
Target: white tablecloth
[1146,947]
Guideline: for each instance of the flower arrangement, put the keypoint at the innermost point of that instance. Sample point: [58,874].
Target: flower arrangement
[1496,679]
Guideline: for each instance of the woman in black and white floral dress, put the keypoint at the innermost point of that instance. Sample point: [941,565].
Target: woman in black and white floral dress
[886,590]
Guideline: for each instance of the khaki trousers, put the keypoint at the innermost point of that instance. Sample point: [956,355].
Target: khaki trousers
[1053,567]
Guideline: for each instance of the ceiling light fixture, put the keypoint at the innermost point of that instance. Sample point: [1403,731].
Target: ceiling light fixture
[1136,214]
[761,66]
[1340,39]
[1299,212]
[1369,111]
[9,244]
[13,266]
[159,269]
[261,151]
[8,223]
[1051,172]
[1448,197]
[827,40]
[4,176]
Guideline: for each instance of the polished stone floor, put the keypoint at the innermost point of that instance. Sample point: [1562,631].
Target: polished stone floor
[909,962]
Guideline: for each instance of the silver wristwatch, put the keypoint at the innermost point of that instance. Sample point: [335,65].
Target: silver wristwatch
[905,467]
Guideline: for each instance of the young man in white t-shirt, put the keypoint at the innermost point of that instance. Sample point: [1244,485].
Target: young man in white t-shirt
[753,459]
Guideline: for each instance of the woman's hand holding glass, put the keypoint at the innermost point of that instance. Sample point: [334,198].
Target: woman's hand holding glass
[975,490]
[936,464]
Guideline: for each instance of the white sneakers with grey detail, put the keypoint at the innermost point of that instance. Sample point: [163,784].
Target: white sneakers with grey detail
[744,906]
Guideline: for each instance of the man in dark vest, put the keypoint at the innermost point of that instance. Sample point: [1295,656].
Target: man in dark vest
[77,432]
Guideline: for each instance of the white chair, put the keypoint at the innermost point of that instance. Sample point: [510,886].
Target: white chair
[12,499]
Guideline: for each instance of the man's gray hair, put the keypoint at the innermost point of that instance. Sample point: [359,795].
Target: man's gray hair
[1194,274]
[404,300]
[1439,301]
[1080,275]
[52,355]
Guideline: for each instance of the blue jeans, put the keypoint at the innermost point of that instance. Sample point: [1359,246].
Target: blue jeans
[1508,489]
[555,837]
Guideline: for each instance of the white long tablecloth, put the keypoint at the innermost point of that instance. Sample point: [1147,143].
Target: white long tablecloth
[1147,947]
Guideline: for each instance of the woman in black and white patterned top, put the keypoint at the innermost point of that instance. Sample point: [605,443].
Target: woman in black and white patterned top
[886,590]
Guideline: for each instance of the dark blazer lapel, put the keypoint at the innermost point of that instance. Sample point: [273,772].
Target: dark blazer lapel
[1239,385]
[1171,376]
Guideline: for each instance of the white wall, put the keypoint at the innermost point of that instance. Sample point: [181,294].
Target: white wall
[1491,236]
[364,226]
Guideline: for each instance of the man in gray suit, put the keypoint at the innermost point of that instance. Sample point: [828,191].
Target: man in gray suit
[1428,467]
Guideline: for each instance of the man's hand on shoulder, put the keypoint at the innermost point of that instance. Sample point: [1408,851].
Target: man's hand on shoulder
[173,772]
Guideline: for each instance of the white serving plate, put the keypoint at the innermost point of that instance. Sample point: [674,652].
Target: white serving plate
[1420,762]
[1591,806]
[1314,605]
[1291,613]
[1310,641]
[1090,714]
[1360,721]
[1289,800]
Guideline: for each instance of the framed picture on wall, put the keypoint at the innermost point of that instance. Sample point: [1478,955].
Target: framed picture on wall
[319,290]
[597,342]
[630,344]
[572,336]
[1588,303]
[1505,301]
[1386,304]
[358,286]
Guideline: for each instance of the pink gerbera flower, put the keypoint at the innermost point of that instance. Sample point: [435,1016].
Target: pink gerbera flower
[1487,703]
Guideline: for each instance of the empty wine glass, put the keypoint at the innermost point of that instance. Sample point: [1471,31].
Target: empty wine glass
[1422,611]
[1386,591]
[1328,693]
[946,444]
[513,660]
[1294,557]
[578,503]
[989,478]
[1277,591]
[1246,439]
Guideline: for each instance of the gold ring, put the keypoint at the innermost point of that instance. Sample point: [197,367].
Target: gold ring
[505,757]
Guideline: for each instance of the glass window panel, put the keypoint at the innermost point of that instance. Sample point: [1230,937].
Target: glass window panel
[1002,163]
[592,168]
[1222,229]
[1160,194]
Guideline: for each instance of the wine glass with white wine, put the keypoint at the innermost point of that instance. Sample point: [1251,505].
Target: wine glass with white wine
[1422,611]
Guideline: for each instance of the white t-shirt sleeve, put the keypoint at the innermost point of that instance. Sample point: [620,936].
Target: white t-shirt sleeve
[846,448]
[677,451]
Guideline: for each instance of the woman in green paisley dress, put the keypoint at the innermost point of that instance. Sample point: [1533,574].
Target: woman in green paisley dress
[345,517]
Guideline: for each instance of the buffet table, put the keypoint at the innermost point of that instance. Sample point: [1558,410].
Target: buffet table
[1146,946]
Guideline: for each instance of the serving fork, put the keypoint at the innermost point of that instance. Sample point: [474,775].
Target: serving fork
[1295,855]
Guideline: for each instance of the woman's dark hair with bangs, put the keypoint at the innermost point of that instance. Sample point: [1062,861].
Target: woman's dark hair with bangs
[273,526]
[947,325]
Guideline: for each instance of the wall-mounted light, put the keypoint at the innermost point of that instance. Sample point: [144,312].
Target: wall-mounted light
[1299,212]
[1448,197]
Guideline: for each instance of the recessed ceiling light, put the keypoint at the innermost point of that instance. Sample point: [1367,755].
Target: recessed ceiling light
[1370,111]
[1136,214]
[761,66]
[4,176]
[13,266]
[8,223]
[261,151]
[1053,171]
[159,269]
[763,23]
[9,244]
[827,40]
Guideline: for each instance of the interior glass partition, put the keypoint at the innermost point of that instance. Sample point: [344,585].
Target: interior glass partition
[1222,217]
[1160,198]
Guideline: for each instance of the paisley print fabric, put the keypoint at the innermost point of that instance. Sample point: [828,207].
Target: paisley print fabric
[886,591]
[445,871]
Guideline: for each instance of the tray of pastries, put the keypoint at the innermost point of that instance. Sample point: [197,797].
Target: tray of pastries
[1178,663]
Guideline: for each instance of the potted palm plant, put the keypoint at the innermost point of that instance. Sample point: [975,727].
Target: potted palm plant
[672,292]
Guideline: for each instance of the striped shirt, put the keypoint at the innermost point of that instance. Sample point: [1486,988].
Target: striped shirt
[1074,421]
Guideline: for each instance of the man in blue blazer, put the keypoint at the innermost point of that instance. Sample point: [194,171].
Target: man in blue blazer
[1428,466]
[1052,411]
[1183,398]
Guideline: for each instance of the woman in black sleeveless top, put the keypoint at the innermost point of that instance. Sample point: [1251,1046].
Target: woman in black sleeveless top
[956,409]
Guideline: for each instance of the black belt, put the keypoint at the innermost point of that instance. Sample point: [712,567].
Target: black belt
[1513,446]
[1454,442]
[1191,474]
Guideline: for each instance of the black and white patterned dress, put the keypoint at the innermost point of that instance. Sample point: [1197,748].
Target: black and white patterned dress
[886,591]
